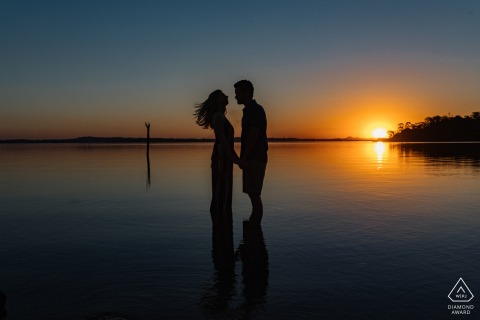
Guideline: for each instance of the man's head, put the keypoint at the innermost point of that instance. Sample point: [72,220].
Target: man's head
[243,91]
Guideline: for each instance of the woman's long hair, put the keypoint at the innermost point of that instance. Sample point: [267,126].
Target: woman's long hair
[204,111]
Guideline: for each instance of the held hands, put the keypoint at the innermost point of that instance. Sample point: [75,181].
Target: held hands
[242,163]
[236,160]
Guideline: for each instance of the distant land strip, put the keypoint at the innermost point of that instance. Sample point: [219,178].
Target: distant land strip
[164,140]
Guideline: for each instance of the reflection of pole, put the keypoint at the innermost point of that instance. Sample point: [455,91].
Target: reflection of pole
[148,171]
[147,124]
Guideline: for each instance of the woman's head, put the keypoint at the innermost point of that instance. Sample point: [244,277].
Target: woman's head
[216,102]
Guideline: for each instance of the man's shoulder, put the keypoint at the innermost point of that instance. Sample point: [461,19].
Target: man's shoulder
[257,108]
[254,115]
[257,105]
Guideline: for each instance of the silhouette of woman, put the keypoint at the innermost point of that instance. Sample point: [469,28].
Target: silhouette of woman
[211,114]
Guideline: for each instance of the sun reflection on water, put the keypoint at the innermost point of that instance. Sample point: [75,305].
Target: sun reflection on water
[380,150]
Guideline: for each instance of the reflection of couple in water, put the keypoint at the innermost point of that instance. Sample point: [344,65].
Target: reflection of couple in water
[253,162]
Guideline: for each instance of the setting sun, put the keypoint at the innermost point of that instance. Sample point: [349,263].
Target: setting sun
[379,133]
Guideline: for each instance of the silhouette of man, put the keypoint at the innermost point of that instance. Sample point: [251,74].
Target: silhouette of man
[254,147]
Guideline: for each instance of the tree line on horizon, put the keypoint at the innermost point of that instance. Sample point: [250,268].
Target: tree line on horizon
[439,128]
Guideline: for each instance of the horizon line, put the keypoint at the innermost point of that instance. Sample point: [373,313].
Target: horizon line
[88,139]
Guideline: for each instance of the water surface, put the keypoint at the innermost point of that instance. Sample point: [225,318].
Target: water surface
[351,230]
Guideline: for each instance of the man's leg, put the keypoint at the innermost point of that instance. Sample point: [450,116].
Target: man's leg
[257,208]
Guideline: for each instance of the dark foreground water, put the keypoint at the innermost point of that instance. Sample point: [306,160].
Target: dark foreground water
[351,230]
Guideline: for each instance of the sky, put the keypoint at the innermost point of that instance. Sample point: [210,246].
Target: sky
[321,69]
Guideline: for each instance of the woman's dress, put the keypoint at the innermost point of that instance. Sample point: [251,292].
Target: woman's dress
[221,205]
[222,178]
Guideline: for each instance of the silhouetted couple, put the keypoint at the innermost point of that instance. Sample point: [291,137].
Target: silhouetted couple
[253,155]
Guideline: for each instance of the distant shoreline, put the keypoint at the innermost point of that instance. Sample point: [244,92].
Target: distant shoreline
[120,140]
[161,140]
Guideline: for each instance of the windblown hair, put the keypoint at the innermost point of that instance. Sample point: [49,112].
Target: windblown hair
[204,111]
[245,85]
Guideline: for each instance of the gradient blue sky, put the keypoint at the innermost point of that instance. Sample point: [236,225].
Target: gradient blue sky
[321,69]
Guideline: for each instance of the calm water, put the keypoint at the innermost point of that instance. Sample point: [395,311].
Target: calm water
[352,230]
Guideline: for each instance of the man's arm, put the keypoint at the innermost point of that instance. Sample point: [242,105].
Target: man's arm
[249,144]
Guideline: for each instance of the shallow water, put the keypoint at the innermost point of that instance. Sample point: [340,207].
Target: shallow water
[351,230]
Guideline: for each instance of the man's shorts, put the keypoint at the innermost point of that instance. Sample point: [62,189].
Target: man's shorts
[253,176]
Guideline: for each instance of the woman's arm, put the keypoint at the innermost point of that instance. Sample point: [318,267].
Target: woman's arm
[217,125]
